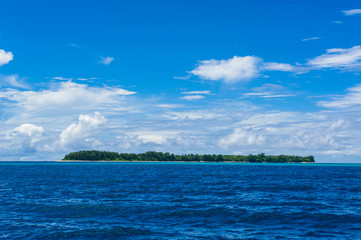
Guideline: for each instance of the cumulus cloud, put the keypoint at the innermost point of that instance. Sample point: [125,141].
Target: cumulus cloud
[79,134]
[66,95]
[338,58]
[230,70]
[106,60]
[351,99]
[352,12]
[5,57]
[26,138]
[29,130]
[238,69]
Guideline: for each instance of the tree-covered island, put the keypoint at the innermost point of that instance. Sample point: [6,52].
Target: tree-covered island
[93,155]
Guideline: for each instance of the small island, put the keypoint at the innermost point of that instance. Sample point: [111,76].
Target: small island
[152,156]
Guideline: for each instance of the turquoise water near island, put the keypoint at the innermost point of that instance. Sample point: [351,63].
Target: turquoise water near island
[60,200]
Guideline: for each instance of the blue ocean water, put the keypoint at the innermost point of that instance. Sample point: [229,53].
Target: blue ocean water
[179,201]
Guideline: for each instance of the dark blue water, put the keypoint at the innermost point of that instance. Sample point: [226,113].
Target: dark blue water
[179,201]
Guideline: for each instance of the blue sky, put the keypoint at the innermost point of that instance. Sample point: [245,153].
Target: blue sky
[232,77]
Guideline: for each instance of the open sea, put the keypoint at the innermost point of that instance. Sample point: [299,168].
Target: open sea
[179,201]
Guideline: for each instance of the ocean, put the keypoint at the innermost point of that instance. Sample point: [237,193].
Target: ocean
[41,200]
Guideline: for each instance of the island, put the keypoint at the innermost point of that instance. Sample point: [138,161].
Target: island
[152,156]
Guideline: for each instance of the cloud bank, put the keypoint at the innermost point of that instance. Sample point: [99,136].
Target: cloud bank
[65,95]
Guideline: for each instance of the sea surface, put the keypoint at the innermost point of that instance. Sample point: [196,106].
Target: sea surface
[179,201]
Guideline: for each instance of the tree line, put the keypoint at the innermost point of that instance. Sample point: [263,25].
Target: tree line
[94,155]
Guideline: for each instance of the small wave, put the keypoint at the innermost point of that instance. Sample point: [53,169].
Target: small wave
[100,233]
[318,234]
[79,210]
[284,188]
[204,213]
[301,217]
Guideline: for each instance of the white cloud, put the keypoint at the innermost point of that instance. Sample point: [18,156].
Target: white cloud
[164,105]
[268,95]
[66,95]
[273,66]
[25,138]
[191,115]
[148,138]
[62,78]
[79,133]
[316,136]
[193,97]
[270,118]
[352,12]
[338,58]
[206,92]
[5,57]
[269,90]
[243,137]
[164,140]
[302,135]
[217,126]
[29,129]
[269,87]
[183,78]
[153,138]
[309,39]
[106,60]
[230,70]
[12,81]
[238,69]
[337,22]
[351,99]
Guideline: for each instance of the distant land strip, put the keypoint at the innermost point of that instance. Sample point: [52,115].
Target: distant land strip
[152,156]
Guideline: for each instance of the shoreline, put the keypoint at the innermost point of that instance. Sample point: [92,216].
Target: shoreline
[90,161]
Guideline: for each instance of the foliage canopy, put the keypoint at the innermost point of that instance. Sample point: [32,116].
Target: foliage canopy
[93,155]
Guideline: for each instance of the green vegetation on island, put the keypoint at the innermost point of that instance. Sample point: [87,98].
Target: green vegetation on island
[93,155]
